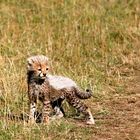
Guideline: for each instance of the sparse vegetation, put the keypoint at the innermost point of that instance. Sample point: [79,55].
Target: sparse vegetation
[96,43]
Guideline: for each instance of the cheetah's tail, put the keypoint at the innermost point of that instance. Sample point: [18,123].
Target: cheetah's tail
[83,94]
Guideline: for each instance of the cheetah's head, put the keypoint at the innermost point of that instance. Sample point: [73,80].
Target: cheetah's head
[38,65]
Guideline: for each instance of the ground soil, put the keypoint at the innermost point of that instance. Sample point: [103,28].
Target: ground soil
[123,122]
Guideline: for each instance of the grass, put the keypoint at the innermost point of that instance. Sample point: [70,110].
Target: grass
[96,43]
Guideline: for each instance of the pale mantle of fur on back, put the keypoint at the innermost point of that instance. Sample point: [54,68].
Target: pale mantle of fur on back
[60,82]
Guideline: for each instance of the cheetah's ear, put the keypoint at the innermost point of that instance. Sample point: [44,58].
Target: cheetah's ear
[29,61]
[47,59]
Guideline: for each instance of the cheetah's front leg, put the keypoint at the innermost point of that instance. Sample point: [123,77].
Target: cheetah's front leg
[32,104]
[46,111]
[32,112]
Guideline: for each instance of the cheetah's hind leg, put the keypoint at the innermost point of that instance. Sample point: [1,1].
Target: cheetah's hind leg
[81,107]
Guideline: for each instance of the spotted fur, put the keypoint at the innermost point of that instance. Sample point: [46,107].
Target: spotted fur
[50,89]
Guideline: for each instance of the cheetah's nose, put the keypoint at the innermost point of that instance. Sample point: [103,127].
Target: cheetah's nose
[44,74]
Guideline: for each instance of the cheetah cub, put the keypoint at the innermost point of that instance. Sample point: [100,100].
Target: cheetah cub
[52,90]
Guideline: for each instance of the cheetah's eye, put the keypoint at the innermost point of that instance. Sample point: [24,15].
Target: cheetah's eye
[39,69]
[47,68]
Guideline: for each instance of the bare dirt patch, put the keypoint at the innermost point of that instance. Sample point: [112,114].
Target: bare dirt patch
[123,119]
